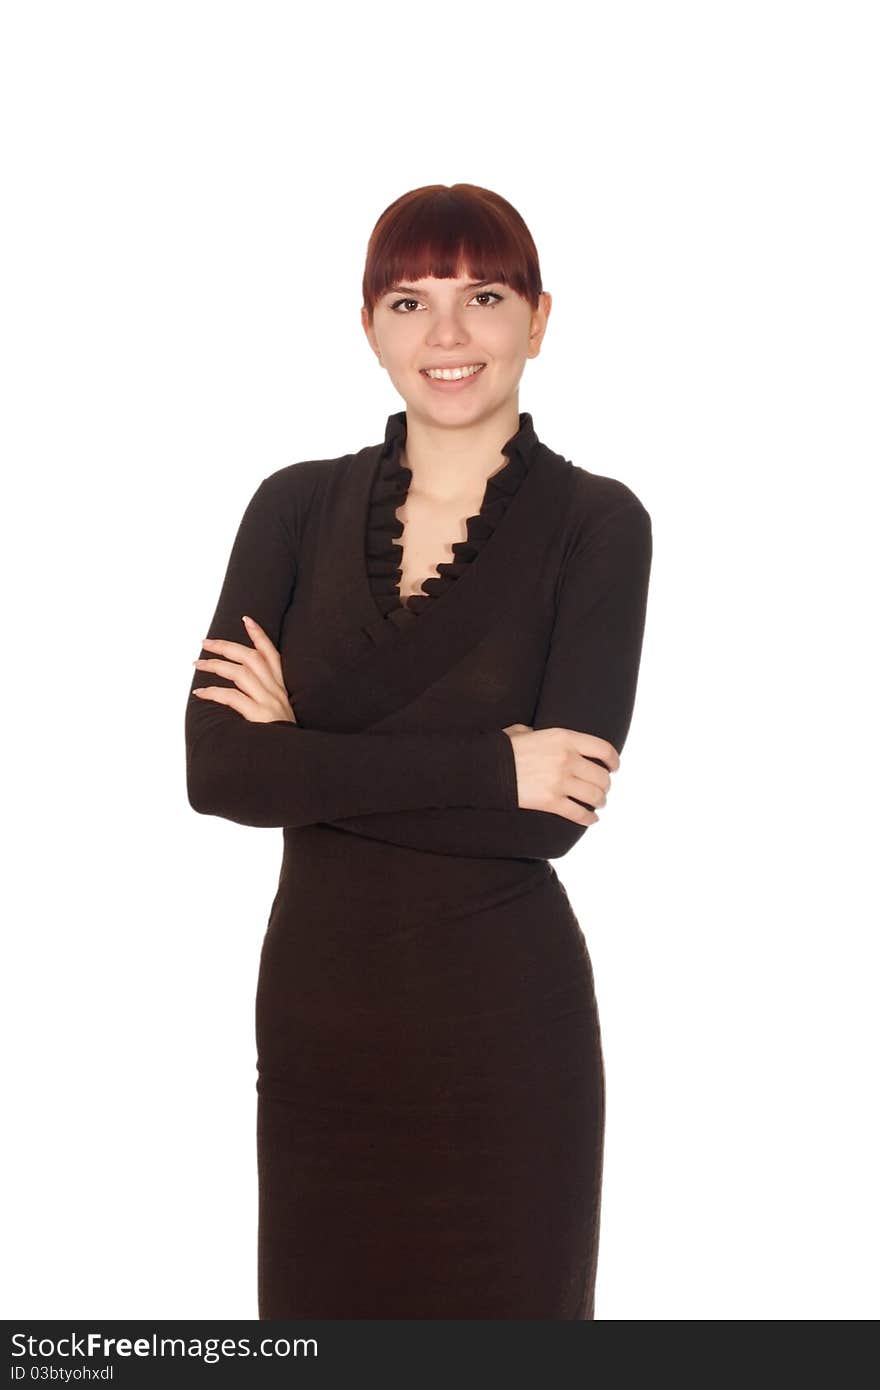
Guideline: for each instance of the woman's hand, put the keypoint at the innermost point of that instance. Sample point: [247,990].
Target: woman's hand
[260,694]
[553,771]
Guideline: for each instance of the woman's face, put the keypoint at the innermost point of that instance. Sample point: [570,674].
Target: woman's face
[451,323]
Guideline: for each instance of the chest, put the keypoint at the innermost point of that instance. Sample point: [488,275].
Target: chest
[430,529]
[476,654]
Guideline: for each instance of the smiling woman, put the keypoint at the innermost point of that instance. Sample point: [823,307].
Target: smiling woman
[452,293]
[431,1089]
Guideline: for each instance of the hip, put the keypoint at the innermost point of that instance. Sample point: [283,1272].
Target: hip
[371,941]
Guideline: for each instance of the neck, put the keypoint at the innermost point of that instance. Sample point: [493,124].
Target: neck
[450,462]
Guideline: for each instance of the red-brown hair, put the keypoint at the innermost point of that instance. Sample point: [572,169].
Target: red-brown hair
[447,231]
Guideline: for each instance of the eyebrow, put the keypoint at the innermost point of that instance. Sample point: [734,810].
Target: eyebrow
[410,289]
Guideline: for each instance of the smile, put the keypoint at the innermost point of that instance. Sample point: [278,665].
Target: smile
[452,373]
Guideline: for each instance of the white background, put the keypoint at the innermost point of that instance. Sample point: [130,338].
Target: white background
[189,189]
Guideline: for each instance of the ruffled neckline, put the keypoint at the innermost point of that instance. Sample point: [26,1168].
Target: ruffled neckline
[388,492]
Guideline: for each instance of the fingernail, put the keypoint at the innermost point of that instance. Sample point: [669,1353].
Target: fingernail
[247,620]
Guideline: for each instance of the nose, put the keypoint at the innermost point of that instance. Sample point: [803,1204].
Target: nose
[446,331]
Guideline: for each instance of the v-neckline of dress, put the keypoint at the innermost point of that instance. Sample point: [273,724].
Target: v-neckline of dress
[388,488]
[384,663]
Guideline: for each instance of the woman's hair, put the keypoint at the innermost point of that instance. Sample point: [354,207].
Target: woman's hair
[451,230]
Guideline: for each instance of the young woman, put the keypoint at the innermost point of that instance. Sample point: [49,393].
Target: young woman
[423,666]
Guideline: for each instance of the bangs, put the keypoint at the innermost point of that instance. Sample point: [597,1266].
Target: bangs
[451,232]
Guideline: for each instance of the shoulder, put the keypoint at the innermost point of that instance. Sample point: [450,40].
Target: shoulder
[607,533]
[606,541]
[296,483]
[597,498]
[289,493]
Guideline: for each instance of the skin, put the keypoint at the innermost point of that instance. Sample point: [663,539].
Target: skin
[453,446]
[454,440]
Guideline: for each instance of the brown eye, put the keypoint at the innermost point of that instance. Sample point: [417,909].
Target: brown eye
[483,294]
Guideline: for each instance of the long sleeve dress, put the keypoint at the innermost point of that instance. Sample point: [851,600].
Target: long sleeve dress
[430,1088]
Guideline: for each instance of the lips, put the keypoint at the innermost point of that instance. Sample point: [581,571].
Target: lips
[448,386]
[449,366]
[453,367]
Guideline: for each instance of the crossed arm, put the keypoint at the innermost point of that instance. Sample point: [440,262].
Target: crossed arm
[590,682]
[444,791]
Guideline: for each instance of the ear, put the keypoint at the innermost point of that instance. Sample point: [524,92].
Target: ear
[370,332]
[539,323]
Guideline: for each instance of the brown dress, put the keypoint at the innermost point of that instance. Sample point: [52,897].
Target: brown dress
[431,1090]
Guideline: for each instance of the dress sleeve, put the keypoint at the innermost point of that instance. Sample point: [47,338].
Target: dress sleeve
[278,774]
[589,684]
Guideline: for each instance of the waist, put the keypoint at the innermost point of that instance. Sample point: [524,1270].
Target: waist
[323,861]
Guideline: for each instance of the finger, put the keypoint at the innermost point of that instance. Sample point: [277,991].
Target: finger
[586,788]
[236,650]
[241,674]
[266,647]
[591,746]
[245,656]
[570,809]
[587,774]
[223,696]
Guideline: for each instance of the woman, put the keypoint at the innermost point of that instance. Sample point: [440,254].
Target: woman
[423,666]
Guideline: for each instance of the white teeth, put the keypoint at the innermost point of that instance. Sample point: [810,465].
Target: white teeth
[452,373]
